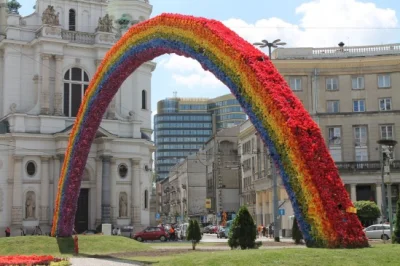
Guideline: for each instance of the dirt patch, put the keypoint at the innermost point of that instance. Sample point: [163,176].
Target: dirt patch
[151,253]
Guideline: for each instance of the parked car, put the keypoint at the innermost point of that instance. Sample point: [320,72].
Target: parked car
[151,233]
[90,232]
[207,229]
[221,232]
[378,231]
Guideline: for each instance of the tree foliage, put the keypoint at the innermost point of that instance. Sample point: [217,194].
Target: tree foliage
[193,233]
[243,230]
[297,236]
[396,236]
[367,210]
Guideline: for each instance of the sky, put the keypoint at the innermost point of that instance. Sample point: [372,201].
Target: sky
[307,23]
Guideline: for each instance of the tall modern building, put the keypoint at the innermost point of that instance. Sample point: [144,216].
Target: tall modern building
[183,125]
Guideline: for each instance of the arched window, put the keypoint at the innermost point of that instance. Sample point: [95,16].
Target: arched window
[72,20]
[144,99]
[76,81]
[146,198]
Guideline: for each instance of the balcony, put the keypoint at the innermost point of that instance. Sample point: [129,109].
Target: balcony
[78,37]
[365,166]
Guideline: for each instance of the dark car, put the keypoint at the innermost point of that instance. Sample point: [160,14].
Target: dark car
[151,233]
[90,232]
[221,232]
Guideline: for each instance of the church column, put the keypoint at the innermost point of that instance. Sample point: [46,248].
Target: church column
[114,203]
[16,214]
[353,192]
[378,195]
[106,190]
[44,95]
[98,190]
[135,192]
[44,191]
[58,92]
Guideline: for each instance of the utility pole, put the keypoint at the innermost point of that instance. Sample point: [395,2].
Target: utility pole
[270,45]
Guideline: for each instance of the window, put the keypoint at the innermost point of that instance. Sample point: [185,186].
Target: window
[384,81]
[385,104]
[144,99]
[386,131]
[76,81]
[357,83]
[358,105]
[146,198]
[72,20]
[332,84]
[122,170]
[31,168]
[332,106]
[334,135]
[295,84]
[360,135]
[361,154]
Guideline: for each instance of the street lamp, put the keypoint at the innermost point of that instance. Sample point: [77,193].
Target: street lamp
[274,44]
[387,149]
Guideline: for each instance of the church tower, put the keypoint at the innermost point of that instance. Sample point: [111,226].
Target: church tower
[126,13]
[3,16]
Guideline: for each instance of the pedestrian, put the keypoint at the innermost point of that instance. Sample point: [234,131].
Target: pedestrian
[8,232]
[264,231]
[119,231]
[270,230]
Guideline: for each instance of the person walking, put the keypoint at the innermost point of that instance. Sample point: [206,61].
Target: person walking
[8,231]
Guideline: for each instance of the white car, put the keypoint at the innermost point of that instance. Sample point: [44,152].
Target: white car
[378,231]
[181,234]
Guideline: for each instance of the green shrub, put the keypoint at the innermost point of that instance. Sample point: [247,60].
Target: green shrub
[367,210]
[297,236]
[194,233]
[243,231]
[396,234]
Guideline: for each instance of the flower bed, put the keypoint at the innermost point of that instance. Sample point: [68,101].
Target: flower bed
[30,260]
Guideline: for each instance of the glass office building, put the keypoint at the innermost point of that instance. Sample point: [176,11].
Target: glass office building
[183,125]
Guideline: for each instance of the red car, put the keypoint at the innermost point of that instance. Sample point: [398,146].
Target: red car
[151,233]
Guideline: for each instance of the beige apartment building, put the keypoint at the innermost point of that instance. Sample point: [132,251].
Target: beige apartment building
[353,93]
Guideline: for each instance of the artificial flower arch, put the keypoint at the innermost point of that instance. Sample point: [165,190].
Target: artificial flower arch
[318,196]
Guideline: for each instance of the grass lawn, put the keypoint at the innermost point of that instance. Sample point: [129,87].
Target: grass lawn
[376,255]
[64,247]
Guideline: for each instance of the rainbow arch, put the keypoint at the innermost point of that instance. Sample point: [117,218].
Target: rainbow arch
[321,204]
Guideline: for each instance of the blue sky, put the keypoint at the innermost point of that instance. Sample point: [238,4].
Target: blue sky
[318,23]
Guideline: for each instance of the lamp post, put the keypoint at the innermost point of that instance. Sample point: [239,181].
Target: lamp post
[387,149]
[270,45]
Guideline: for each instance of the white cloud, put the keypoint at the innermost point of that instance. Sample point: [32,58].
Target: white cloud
[323,23]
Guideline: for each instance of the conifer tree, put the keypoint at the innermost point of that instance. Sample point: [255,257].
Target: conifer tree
[194,233]
[243,230]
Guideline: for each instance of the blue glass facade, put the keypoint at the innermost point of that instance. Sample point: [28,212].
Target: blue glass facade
[182,126]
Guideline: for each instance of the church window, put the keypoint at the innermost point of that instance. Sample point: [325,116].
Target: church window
[76,81]
[146,199]
[31,168]
[72,20]
[122,170]
[144,99]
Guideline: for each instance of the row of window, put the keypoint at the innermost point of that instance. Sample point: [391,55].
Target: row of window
[184,132]
[230,109]
[164,168]
[173,153]
[333,106]
[231,116]
[332,83]
[228,124]
[183,125]
[360,134]
[181,139]
[223,103]
[182,117]
[197,107]
[180,146]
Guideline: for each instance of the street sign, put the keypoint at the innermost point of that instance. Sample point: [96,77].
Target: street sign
[218,214]
[281,212]
[157,216]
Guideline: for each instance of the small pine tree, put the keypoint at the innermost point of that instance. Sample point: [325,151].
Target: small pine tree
[243,231]
[194,233]
[297,236]
[396,236]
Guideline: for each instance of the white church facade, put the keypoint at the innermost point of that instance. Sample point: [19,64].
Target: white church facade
[46,62]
